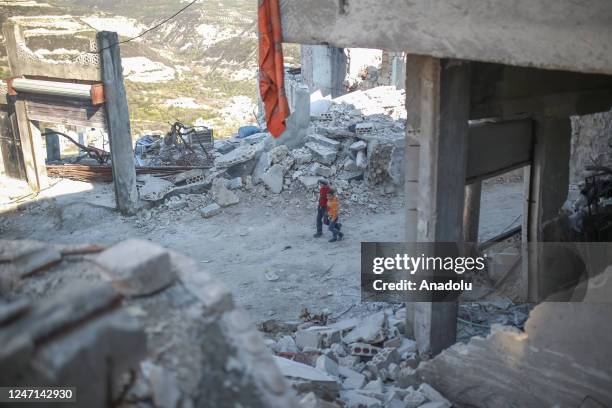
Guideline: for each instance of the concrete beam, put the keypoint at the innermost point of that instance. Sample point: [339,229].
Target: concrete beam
[504,92]
[497,147]
[552,34]
[118,122]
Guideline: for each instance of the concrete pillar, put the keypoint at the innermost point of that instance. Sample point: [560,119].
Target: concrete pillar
[471,212]
[442,107]
[118,122]
[324,69]
[398,70]
[548,188]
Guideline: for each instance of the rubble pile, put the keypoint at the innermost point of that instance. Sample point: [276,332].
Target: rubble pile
[355,362]
[131,325]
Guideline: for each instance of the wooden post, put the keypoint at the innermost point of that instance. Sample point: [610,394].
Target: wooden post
[442,109]
[471,212]
[118,123]
[32,149]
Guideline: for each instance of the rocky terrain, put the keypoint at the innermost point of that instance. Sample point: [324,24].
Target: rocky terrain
[202,64]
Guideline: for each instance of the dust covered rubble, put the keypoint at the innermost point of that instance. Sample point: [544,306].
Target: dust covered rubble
[155,332]
[361,155]
[355,362]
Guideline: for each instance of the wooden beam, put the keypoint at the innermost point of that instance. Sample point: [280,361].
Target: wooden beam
[118,122]
[32,149]
[497,147]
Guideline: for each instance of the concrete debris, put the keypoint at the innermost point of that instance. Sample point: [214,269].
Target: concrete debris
[321,153]
[234,183]
[278,154]
[358,146]
[12,310]
[372,330]
[222,195]
[327,365]
[310,400]
[210,210]
[239,155]
[165,387]
[318,169]
[136,267]
[553,332]
[19,259]
[273,178]
[305,378]
[324,141]
[263,164]
[354,399]
[363,349]
[286,344]
[433,396]
[301,156]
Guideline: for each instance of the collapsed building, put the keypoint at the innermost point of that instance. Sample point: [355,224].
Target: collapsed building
[471,110]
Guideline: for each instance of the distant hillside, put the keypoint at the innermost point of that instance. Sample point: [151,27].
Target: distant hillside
[202,64]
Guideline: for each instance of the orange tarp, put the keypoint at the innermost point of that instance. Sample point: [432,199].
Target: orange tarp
[271,67]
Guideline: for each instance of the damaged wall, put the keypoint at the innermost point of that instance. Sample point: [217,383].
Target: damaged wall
[591,144]
[562,359]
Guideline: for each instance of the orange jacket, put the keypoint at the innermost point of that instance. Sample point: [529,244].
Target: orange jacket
[332,208]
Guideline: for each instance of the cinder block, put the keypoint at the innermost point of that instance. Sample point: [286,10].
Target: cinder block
[136,267]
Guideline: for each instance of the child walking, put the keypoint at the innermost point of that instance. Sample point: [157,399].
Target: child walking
[322,207]
[332,213]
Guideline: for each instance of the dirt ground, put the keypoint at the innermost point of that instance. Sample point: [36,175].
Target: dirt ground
[247,244]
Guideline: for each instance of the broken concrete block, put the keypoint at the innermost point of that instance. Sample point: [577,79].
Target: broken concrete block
[363,349]
[324,141]
[413,398]
[234,183]
[321,153]
[350,175]
[433,395]
[278,154]
[263,164]
[286,344]
[320,170]
[273,178]
[223,146]
[394,342]
[11,311]
[361,160]
[309,181]
[358,146]
[372,329]
[210,210]
[306,338]
[222,195]
[90,354]
[338,349]
[350,165]
[355,399]
[311,400]
[23,258]
[239,155]
[165,387]
[384,358]
[327,365]
[136,267]
[407,346]
[351,379]
[301,156]
[364,128]
[305,378]
[406,377]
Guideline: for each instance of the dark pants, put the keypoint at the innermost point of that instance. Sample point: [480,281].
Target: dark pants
[334,227]
[320,214]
